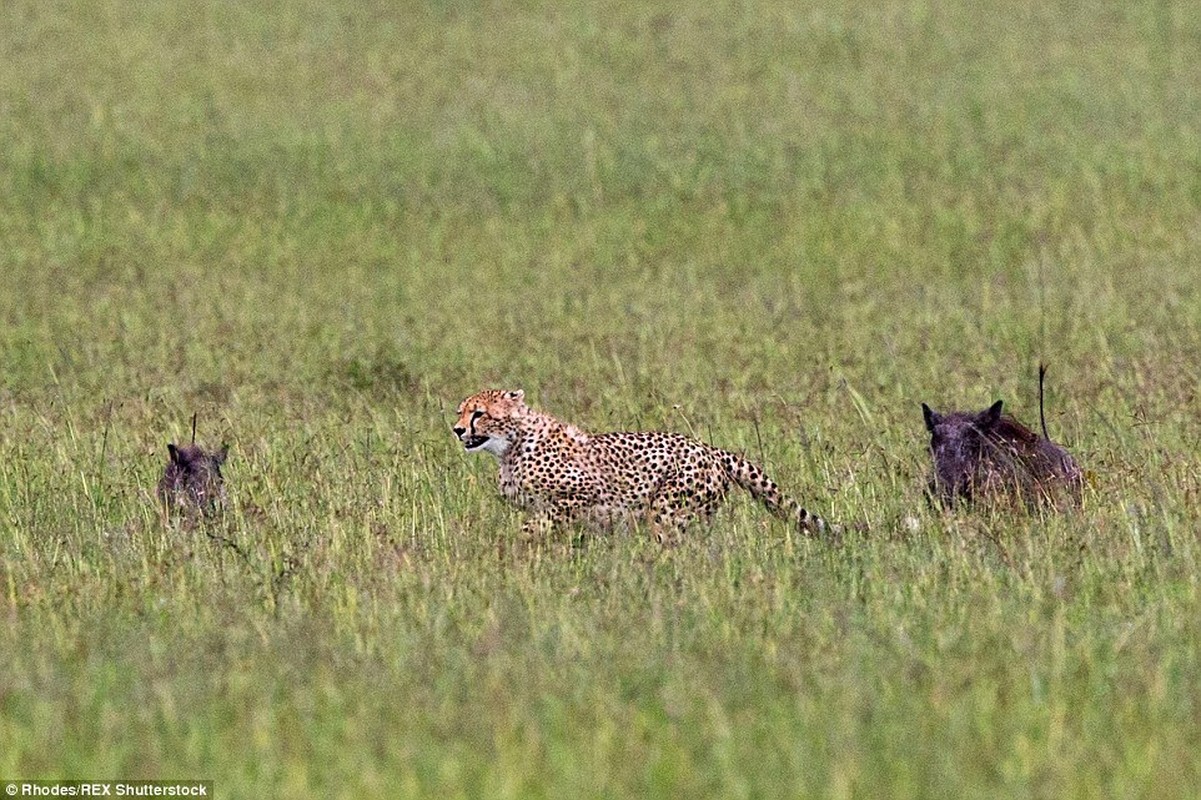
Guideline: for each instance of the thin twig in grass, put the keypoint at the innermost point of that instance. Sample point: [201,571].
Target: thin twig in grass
[758,439]
[108,420]
[679,409]
[1042,308]
[1042,416]
[224,541]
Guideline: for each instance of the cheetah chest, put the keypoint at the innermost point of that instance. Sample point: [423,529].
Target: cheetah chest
[535,474]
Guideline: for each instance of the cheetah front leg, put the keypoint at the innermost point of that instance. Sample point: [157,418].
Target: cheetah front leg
[561,514]
[537,525]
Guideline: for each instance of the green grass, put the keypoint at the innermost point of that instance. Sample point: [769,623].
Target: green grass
[777,226]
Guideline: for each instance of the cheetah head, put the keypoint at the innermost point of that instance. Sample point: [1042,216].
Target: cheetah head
[490,420]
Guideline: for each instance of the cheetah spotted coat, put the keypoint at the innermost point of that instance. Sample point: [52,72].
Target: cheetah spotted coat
[563,475]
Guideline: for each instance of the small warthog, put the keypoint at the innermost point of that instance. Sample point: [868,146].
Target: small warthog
[987,455]
[192,483]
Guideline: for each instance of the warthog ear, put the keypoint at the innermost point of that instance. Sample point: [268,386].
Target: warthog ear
[173,453]
[991,416]
[931,416]
[221,455]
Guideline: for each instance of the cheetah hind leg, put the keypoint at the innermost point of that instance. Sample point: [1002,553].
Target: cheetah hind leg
[667,527]
[674,508]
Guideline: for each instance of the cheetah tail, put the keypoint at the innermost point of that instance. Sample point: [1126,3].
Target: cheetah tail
[755,480]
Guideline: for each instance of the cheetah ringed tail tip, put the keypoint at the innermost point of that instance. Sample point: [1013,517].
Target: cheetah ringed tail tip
[809,521]
[751,478]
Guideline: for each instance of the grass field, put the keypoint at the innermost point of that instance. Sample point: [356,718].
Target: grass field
[777,226]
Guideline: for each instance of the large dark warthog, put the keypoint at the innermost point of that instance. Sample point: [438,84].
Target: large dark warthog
[986,454]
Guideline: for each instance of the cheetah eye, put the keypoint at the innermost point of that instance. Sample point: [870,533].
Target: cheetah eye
[476,414]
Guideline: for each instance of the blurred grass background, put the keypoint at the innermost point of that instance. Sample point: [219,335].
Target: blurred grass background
[777,226]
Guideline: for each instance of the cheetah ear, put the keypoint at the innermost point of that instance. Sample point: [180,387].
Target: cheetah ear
[992,415]
[931,416]
[173,453]
[516,394]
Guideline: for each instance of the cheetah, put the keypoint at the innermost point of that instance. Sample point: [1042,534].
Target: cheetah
[563,475]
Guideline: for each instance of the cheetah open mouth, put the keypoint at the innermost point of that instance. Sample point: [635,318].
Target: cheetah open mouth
[473,442]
